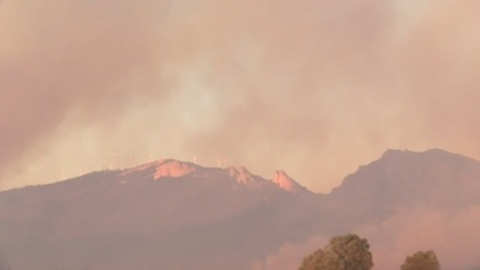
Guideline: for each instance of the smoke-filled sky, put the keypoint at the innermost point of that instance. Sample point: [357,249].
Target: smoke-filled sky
[316,88]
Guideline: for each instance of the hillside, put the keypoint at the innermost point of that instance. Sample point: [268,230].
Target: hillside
[170,214]
[154,216]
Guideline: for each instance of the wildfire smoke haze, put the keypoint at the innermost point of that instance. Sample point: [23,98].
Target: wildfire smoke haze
[314,87]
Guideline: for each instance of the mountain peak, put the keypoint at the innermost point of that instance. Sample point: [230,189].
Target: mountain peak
[395,152]
[241,174]
[166,168]
[285,182]
[433,151]
[173,168]
[429,172]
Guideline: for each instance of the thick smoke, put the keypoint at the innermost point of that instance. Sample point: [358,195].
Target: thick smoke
[290,255]
[314,87]
[452,235]
[61,58]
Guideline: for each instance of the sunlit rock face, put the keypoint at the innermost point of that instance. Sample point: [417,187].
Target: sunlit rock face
[173,168]
[241,174]
[165,168]
[287,183]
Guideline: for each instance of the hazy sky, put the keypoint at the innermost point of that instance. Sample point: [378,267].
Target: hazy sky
[313,87]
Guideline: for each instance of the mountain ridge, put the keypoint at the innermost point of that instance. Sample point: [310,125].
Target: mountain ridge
[175,168]
[153,214]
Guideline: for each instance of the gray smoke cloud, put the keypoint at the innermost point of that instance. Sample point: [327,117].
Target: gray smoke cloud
[312,87]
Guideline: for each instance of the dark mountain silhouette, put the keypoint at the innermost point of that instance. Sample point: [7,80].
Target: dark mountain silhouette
[404,179]
[178,215]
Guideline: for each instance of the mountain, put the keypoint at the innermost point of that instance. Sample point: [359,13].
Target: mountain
[285,182]
[402,180]
[170,214]
[163,215]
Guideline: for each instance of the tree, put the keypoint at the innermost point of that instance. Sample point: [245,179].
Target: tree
[348,252]
[422,260]
[312,261]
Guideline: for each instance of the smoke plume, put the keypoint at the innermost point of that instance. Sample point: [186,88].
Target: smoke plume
[313,87]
